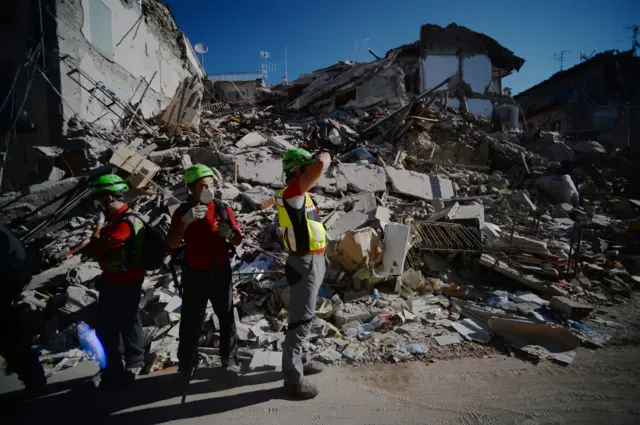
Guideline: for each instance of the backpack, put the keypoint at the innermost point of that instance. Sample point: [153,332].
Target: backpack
[146,250]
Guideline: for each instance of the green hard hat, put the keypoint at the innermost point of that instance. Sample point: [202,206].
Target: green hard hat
[108,183]
[197,172]
[296,157]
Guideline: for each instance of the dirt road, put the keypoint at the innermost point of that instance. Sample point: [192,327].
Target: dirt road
[601,387]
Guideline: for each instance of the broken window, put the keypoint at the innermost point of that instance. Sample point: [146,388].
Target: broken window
[100,19]
[344,98]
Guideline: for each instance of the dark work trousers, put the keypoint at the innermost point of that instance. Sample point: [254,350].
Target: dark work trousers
[198,287]
[118,315]
[15,346]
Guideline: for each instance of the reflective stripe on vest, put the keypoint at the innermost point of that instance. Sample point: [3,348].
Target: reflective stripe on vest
[303,230]
[129,253]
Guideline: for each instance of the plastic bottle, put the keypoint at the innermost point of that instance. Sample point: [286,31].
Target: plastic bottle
[374,295]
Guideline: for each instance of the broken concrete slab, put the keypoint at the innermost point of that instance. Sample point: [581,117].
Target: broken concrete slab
[251,140]
[36,201]
[257,195]
[348,222]
[261,169]
[365,202]
[574,310]
[328,356]
[282,142]
[522,243]
[448,339]
[396,247]
[382,217]
[354,177]
[472,330]
[529,280]
[271,360]
[227,191]
[351,313]
[418,185]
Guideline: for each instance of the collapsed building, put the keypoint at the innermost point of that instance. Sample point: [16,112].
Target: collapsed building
[232,87]
[597,99]
[450,233]
[105,61]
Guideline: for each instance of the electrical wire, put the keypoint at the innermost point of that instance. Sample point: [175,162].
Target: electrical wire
[107,143]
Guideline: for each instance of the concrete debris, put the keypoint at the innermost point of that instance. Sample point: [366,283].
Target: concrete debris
[425,186]
[268,360]
[418,185]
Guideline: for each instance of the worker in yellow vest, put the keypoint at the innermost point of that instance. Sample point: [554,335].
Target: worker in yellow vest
[305,239]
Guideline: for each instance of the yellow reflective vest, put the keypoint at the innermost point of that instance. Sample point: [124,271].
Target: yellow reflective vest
[303,231]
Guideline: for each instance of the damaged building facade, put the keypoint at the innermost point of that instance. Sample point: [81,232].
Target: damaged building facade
[232,87]
[598,99]
[474,63]
[98,56]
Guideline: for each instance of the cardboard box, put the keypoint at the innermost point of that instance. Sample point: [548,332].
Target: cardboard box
[141,170]
[359,248]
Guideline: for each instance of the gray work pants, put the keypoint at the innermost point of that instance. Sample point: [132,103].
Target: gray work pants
[305,275]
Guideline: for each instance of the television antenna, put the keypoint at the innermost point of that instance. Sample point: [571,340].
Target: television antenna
[202,49]
[286,67]
[585,57]
[559,57]
[634,39]
[265,54]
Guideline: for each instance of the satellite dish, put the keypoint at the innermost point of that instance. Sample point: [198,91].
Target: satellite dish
[202,49]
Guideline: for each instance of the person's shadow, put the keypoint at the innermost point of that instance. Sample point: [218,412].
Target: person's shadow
[76,401]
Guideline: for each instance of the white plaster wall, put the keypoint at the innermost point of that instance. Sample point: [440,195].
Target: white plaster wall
[477,72]
[193,59]
[476,106]
[434,69]
[122,72]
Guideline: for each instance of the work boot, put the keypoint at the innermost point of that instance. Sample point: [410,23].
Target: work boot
[312,368]
[303,390]
[35,387]
[231,365]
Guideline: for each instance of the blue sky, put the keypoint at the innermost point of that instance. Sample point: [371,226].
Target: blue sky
[320,33]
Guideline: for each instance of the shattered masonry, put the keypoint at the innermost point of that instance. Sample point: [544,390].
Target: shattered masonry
[449,227]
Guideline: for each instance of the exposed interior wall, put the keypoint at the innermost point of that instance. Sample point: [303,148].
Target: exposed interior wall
[482,107]
[434,69]
[476,71]
[92,33]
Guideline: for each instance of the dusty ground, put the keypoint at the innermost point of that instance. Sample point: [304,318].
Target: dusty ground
[600,387]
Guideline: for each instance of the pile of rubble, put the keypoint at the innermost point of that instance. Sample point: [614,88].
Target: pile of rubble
[447,237]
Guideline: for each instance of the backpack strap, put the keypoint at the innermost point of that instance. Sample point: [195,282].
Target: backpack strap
[221,209]
[129,243]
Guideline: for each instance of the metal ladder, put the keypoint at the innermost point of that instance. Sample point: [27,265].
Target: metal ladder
[94,87]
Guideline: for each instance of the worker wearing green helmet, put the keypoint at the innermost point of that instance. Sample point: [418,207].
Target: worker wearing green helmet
[208,228]
[305,239]
[117,231]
